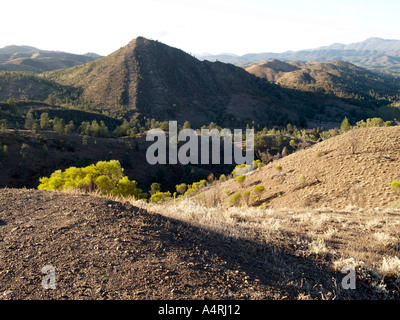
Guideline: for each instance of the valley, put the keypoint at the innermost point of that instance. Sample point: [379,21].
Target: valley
[322,194]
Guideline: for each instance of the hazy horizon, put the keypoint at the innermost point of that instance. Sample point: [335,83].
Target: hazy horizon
[197,27]
[196,54]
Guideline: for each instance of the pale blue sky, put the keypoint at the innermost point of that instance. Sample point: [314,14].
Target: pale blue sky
[196,26]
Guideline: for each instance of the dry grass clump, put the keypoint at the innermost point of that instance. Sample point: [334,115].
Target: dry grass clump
[391,267]
[385,239]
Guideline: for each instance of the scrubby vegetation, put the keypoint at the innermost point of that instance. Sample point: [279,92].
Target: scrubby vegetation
[160,197]
[106,177]
[396,184]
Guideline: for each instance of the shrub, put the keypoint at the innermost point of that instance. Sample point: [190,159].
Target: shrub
[234,200]
[196,186]
[257,164]
[391,267]
[105,176]
[155,187]
[241,178]
[126,188]
[222,177]
[258,190]
[160,197]
[278,167]
[371,122]
[181,188]
[318,246]
[241,169]
[302,179]
[345,126]
[395,184]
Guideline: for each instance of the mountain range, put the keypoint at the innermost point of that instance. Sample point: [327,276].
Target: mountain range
[147,79]
[339,78]
[374,53]
[31,59]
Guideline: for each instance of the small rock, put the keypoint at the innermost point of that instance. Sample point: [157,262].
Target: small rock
[7,292]
[176,291]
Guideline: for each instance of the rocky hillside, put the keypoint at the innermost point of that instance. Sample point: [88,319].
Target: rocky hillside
[340,78]
[355,168]
[151,79]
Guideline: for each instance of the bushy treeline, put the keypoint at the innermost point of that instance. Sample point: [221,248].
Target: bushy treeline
[106,177]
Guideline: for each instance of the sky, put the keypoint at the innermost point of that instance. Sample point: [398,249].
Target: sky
[196,26]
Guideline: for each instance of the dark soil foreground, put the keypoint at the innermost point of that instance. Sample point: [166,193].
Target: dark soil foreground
[103,249]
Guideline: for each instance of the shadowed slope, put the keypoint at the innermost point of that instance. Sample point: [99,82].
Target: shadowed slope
[102,249]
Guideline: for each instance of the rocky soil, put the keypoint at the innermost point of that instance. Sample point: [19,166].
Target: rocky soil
[104,249]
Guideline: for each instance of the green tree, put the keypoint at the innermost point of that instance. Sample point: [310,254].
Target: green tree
[44,121]
[155,187]
[181,188]
[29,121]
[289,128]
[24,152]
[36,127]
[70,127]
[95,129]
[279,140]
[3,125]
[51,99]
[3,152]
[84,128]
[345,126]
[103,130]
[58,125]
[85,140]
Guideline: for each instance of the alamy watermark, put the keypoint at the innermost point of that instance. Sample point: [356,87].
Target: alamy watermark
[349,281]
[49,280]
[197,150]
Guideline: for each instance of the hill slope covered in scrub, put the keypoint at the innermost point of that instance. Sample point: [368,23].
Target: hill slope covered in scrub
[149,79]
[354,168]
[342,79]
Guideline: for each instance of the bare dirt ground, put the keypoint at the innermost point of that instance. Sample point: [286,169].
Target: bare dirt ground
[104,249]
